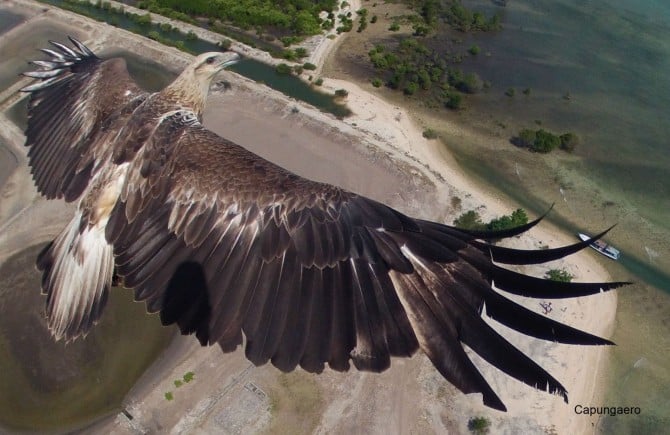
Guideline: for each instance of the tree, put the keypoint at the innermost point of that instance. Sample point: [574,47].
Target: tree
[453,100]
[411,88]
[470,220]
[545,141]
[470,83]
[516,219]
[526,138]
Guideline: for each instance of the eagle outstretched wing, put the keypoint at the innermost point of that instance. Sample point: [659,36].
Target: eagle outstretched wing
[231,247]
[226,244]
[70,113]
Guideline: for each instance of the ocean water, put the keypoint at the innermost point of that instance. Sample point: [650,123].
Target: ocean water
[600,69]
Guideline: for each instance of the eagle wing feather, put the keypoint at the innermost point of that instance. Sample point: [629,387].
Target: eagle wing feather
[228,245]
[70,112]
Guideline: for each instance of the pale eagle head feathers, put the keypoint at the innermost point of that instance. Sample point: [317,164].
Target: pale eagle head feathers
[191,87]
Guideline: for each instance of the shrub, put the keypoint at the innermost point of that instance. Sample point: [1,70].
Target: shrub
[341,93]
[377,82]
[191,36]
[142,20]
[394,27]
[301,52]
[560,275]
[309,66]
[429,133]
[373,19]
[188,376]
[283,68]
[225,44]
[169,395]
[318,82]
[569,142]
[479,425]
[474,50]
[516,219]
[545,142]
[411,88]
[470,83]
[470,220]
[453,100]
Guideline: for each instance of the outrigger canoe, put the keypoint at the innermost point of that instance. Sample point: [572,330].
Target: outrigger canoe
[602,247]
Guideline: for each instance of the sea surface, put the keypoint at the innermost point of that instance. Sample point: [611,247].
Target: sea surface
[600,69]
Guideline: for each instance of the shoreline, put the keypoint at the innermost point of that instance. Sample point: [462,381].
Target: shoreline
[377,123]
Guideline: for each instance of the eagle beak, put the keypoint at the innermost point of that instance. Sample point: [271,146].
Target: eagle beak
[227,59]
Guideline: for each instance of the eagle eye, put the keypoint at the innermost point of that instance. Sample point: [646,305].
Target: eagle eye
[210,60]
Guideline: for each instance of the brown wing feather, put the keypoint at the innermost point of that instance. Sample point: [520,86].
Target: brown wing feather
[309,273]
[75,103]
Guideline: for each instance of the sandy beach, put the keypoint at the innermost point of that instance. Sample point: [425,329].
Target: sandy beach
[379,151]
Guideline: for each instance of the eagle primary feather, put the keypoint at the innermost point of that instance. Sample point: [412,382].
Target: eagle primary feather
[235,249]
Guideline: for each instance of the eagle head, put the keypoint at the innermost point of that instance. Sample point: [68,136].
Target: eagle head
[192,85]
[207,65]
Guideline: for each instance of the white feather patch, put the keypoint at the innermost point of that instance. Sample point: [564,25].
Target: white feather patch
[80,277]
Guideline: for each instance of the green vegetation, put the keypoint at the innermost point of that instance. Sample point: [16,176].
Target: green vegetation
[169,396]
[283,68]
[414,68]
[309,66]
[178,383]
[516,219]
[542,141]
[429,133]
[560,275]
[363,19]
[432,13]
[377,82]
[569,142]
[318,82]
[479,425]
[341,93]
[474,50]
[288,17]
[113,15]
[466,20]
[471,220]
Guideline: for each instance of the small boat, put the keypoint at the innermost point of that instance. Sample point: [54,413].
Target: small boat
[602,247]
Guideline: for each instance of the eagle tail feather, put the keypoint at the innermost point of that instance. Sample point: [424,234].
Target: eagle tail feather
[77,269]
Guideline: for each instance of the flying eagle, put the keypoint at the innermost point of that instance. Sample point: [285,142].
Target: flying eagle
[239,251]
